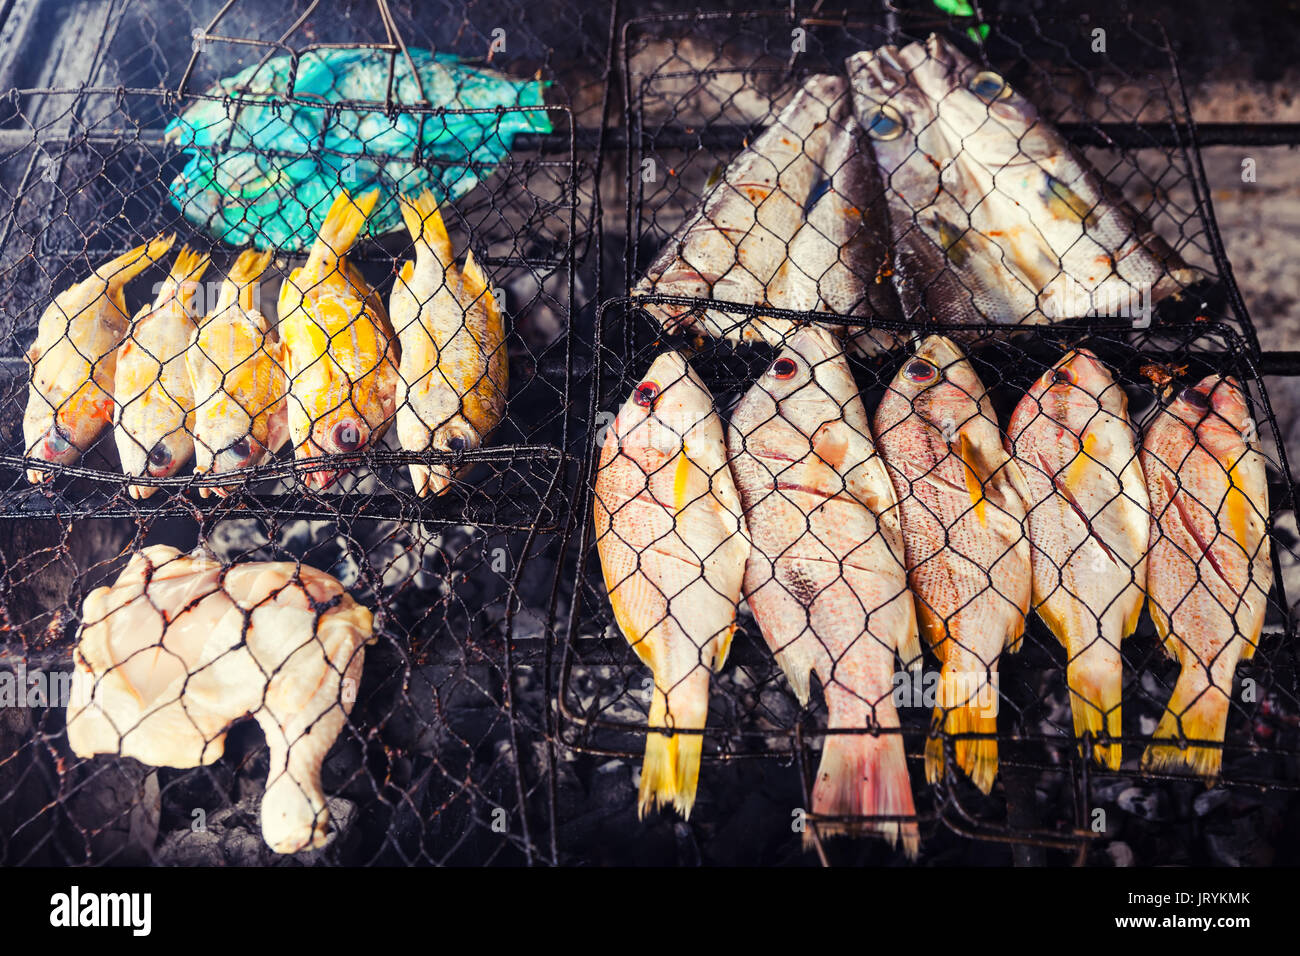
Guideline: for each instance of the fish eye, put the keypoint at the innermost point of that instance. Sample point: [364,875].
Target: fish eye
[920,371]
[1195,398]
[347,436]
[885,123]
[645,394]
[1063,376]
[989,86]
[457,443]
[240,450]
[56,441]
[784,368]
[160,456]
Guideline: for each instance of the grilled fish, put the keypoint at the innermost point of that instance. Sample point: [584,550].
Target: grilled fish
[340,351]
[1209,571]
[152,392]
[1071,237]
[732,246]
[74,360]
[944,270]
[825,579]
[963,509]
[839,258]
[673,545]
[180,647]
[454,369]
[1089,522]
[236,365]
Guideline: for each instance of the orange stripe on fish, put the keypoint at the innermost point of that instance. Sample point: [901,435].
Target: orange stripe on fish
[974,487]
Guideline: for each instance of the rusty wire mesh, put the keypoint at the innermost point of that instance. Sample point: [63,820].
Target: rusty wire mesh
[443,755]
[699,90]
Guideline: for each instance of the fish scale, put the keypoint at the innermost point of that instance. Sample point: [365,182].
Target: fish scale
[825,580]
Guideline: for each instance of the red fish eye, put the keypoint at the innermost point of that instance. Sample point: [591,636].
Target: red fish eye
[645,394]
[784,368]
[1196,398]
[1062,376]
[920,371]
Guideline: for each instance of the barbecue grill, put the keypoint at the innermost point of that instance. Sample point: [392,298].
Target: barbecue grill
[501,714]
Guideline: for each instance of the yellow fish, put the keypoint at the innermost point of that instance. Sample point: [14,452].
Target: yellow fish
[340,351]
[154,417]
[455,372]
[236,365]
[74,360]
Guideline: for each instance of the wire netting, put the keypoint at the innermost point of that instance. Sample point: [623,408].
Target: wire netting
[700,91]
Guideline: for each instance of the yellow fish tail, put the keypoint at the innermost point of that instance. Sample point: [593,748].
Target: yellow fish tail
[1200,713]
[338,233]
[962,712]
[1095,704]
[670,772]
[243,275]
[425,224]
[118,272]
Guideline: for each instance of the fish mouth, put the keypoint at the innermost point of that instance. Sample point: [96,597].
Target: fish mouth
[429,481]
[140,492]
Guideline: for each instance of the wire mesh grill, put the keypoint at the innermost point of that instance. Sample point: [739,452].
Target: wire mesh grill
[700,89]
[442,755]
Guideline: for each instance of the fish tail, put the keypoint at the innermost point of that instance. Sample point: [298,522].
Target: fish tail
[241,279]
[1196,711]
[865,775]
[1095,703]
[424,222]
[343,223]
[118,272]
[962,711]
[474,285]
[670,772]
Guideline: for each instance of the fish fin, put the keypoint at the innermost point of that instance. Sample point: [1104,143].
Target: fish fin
[865,775]
[1237,507]
[474,285]
[343,223]
[670,771]
[724,648]
[189,265]
[1095,705]
[974,485]
[408,272]
[1065,203]
[978,757]
[118,272]
[424,222]
[249,266]
[1194,712]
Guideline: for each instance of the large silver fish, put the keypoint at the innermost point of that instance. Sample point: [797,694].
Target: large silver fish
[839,259]
[943,269]
[734,243]
[1059,225]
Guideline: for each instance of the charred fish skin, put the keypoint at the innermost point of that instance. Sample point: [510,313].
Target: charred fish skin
[1078,243]
[944,269]
[963,504]
[673,545]
[73,361]
[825,580]
[1089,522]
[733,245]
[1209,571]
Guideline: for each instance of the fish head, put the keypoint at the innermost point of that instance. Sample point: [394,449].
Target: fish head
[455,436]
[343,431]
[665,407]
[1216,409]
[1073,390]
[67,408]
[940,384]
[891,107]
[807,385]
[152,446]
[972,103]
